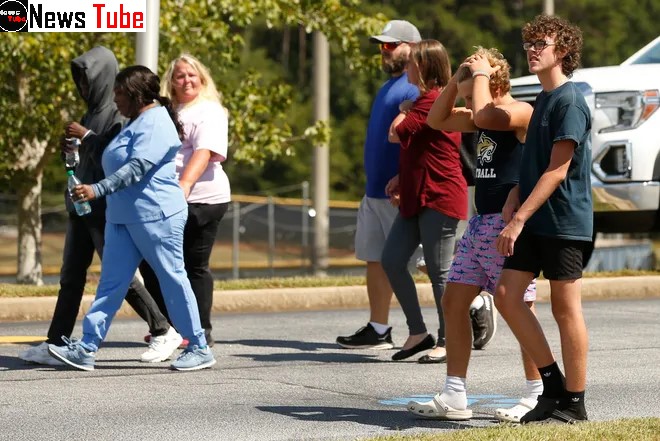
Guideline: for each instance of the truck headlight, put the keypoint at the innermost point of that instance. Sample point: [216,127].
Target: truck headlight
[627,110]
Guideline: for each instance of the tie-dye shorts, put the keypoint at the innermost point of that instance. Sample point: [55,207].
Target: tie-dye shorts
[477,261]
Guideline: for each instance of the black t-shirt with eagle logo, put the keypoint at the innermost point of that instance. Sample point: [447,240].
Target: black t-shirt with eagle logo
[498,169]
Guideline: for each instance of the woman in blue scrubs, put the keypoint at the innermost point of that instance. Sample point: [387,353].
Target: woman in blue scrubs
[146,215]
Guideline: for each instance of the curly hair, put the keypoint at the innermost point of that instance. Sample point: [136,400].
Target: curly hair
[499,80]
[432,61]
[568,38]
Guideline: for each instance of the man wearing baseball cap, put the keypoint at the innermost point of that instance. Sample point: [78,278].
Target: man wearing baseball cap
[397,31]
[381,163]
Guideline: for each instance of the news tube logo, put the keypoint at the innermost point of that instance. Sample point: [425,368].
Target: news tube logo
[73,15]
[13,15]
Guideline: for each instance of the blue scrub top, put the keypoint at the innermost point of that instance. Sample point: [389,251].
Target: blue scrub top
[152,136]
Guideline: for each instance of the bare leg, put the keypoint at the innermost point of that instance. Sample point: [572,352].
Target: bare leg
[523,323]
[458,331]
[514,413]
[567,310]
[531,371]
[379,292]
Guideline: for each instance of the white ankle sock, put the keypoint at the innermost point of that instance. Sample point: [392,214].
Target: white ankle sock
[454,394]
[477,303]
[533,388]
[381,329]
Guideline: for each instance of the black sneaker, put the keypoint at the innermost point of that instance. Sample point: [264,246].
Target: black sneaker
[367,338]
[484,323]
[553,411]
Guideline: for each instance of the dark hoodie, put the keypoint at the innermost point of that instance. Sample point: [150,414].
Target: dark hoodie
[100,67]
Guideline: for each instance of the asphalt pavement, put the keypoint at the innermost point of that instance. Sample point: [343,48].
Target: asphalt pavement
[281,377]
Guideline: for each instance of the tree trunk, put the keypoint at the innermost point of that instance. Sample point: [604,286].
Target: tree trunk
[302,56]
[286,48]
[29,165]
[29,269]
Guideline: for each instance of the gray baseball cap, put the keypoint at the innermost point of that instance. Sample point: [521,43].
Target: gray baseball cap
[396,31]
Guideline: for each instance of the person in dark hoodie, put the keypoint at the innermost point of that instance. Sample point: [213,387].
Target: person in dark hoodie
[94,74]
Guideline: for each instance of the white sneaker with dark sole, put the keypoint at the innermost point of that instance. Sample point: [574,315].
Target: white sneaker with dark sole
[484,322]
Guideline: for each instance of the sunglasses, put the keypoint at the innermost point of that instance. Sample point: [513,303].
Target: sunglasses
[538,45]
[389,47]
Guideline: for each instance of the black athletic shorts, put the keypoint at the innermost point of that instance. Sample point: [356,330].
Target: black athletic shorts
[558,259]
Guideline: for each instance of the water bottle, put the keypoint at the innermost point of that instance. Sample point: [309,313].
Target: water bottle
[82,207]
[72,157]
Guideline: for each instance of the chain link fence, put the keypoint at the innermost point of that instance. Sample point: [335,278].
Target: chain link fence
[260,235]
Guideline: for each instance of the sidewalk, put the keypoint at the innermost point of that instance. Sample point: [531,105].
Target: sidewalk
[327,298]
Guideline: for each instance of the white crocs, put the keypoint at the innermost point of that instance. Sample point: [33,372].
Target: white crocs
[513,414]
[436,408]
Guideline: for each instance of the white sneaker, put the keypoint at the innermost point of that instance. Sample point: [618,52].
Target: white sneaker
[39,355]
[162,347]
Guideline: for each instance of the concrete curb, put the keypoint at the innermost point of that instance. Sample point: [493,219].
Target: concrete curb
[324,298]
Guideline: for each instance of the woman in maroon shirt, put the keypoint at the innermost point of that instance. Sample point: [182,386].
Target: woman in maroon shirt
[432,196]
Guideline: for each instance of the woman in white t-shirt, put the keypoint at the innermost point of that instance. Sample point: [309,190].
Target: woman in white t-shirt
[189,85]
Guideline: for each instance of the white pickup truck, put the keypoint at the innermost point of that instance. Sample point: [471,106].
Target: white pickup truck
[625,172]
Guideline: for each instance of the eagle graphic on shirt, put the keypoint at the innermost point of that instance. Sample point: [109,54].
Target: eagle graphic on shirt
[485,151]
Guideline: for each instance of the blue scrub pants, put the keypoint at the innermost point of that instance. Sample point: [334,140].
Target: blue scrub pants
[160,243]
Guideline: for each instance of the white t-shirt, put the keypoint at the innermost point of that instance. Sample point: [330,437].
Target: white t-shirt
[205,125]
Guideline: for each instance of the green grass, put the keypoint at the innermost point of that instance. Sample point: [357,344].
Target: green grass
[638,429]
[14,290]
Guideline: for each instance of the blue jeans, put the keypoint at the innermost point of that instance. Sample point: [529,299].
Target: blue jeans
[160,243]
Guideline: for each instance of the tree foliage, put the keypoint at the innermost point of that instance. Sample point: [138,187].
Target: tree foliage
[38,96]
[214,32]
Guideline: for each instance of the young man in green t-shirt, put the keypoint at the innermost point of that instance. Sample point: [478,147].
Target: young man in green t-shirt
[550,220]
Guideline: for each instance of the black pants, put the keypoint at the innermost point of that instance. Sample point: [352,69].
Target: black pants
[198,239]
[84,235]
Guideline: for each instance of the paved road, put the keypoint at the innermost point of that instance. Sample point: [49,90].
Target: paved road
[280,377]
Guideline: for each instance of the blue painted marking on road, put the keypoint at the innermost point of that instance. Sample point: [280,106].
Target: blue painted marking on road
[486,401]
[403,401]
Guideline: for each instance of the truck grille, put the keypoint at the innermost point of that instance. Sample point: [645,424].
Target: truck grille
[613,162]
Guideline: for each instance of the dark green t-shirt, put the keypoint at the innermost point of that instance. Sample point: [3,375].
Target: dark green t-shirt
[559,115]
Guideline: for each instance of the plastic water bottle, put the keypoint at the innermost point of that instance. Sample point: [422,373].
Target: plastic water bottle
[82,207]
[72,157]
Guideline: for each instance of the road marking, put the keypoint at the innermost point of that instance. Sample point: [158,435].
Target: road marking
[488,401]
[14,339]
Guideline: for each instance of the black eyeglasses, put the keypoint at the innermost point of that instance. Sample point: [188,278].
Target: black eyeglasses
[538,45]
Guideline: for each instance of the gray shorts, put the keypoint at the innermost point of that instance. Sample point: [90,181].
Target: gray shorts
[374,221]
